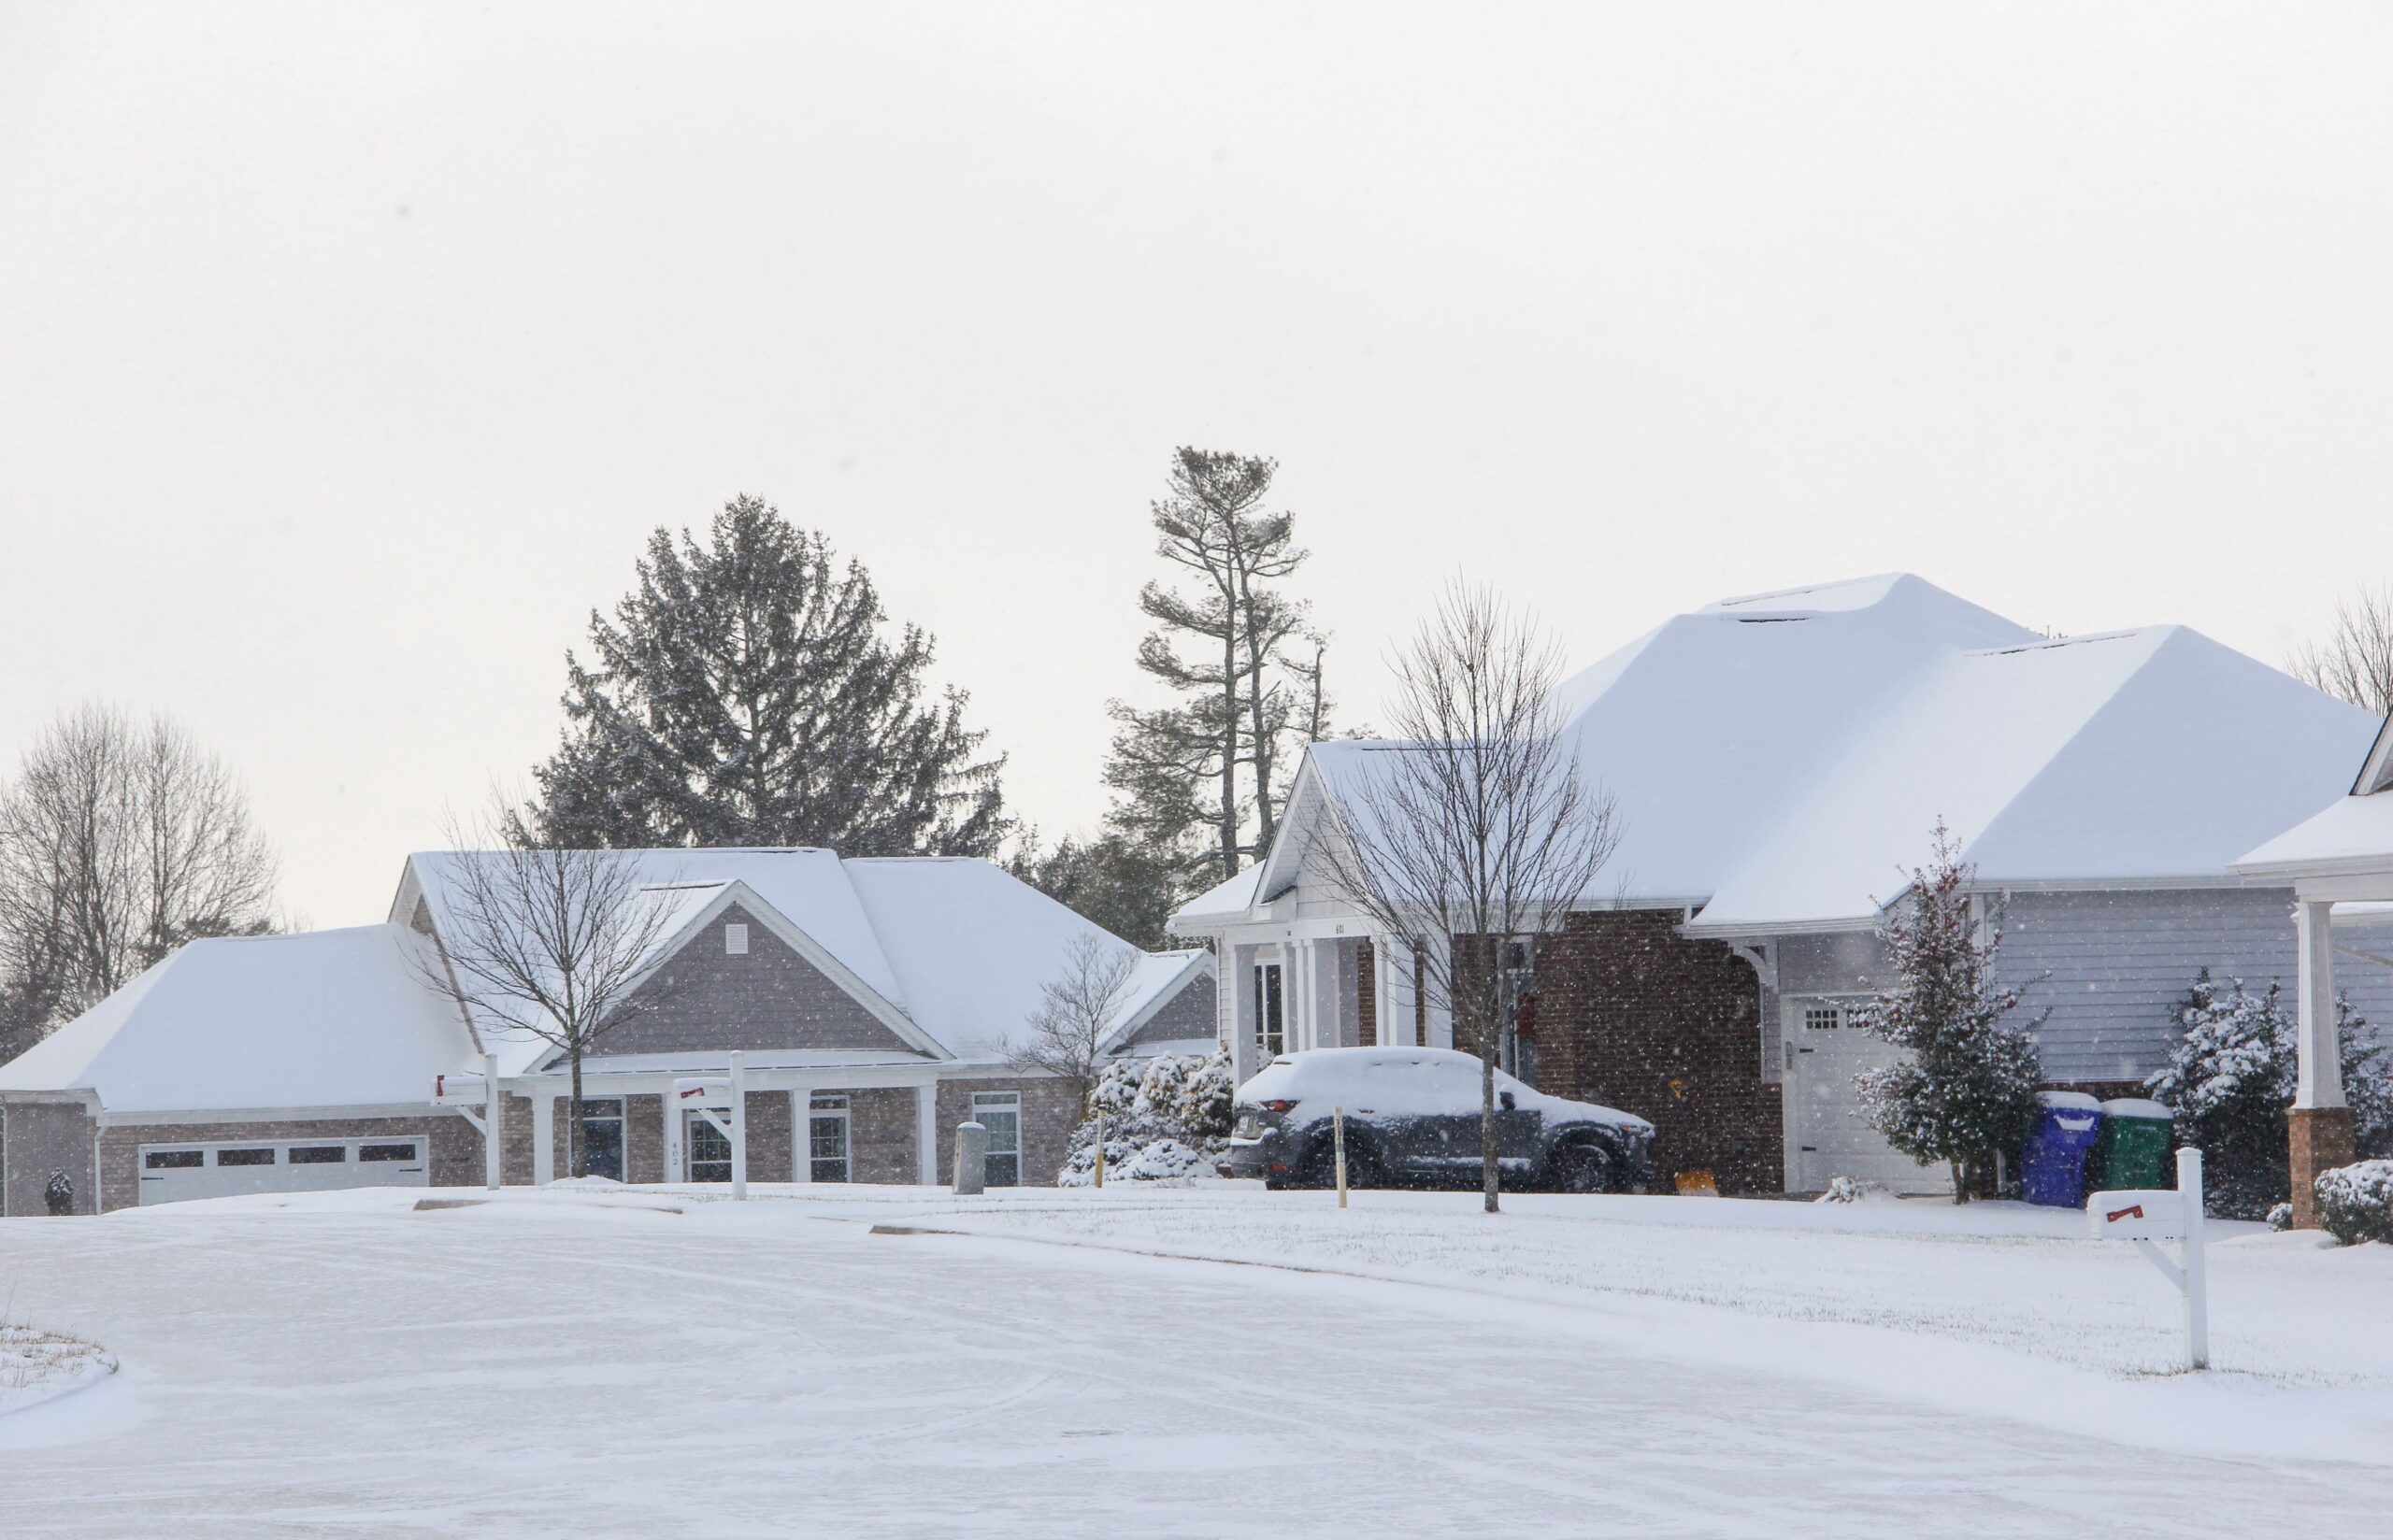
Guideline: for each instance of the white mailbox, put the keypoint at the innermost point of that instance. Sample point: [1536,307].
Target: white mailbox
[459,1090]
[2139,1214]
[710,1092]
[2146,1215]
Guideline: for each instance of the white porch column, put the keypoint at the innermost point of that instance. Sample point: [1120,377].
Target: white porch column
[672,1121]
[1295,994]
[927,1136]
[801,1133]
[2318,1073]
[1392,992]
[544,1138]
[1238,987]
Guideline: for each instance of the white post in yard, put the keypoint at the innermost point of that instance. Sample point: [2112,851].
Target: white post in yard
[925,1135]
[544,1139]
[739,1127]
[490,1110]
[1100,1146]
[1337,1134]
[2189,1187]
[674,1169]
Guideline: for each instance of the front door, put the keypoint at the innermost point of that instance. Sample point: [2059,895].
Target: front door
[1832,1132]
[602,1138]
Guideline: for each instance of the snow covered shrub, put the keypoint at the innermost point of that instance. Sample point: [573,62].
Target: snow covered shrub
[59,1195]
[1849,1190]
[2280,1216]
[1205,1096]
[1965,1088]
[2230,1078]
[1149,1133]
[2355,1202]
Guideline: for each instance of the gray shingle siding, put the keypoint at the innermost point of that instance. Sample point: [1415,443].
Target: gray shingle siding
[2113,966]
[770,997]
[1189,1014]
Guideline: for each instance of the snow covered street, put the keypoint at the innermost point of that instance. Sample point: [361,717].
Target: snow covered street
[593,1364]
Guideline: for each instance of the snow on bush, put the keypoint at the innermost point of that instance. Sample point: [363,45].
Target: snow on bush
[2355,1202]
[2230,1078]
[1847,1189]
[2280,1216]
[36,1365]
[1165,1120]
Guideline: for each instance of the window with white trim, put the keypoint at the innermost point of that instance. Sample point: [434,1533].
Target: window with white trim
[1271,1013]
[827,1139]
[1000,1113]
[709,1150]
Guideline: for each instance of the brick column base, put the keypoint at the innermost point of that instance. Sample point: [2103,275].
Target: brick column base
[2321,1141]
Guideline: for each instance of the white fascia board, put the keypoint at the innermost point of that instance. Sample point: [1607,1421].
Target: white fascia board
[1765,930]
[281,1115]
[2278,873]
[1284,862]
[82,1096]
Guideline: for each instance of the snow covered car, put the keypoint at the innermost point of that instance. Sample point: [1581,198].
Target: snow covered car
[1413,1121]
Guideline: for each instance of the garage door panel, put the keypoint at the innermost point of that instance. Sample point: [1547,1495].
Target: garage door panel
[175,1173]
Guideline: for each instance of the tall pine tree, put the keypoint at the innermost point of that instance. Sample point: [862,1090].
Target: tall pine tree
[746,693]
[1200,780]
[1967,1086]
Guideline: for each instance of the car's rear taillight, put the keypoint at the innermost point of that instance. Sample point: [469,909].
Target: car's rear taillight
[1285,1106]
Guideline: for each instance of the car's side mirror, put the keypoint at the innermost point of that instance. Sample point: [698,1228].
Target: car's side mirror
[1506,1098]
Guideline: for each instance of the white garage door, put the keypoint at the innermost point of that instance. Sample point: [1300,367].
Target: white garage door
[170,1173]
[1832,1137]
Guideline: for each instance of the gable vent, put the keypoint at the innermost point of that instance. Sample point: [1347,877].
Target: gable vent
[735,940]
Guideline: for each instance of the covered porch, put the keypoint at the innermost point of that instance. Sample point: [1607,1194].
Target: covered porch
[2340,865]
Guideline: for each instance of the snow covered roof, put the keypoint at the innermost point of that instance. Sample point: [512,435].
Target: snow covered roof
[1777,760]
[325,1019]
[959,947]
[2352,836]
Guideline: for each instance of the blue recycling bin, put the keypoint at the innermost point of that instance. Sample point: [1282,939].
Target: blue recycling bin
[2051,1167]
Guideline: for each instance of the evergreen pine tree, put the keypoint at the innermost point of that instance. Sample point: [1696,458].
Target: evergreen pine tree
[745,693]
[1967,1086]
[1202,778]
[1112,881]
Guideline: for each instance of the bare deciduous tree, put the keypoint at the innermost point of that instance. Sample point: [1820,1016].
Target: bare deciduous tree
[1076,1009]
[1476,828]
[119,841]
[2355,661]
[545,942]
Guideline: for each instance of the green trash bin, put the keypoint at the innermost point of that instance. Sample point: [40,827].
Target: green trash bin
[2134,1149]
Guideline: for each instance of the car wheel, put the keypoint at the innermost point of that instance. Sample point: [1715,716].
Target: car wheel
[1318,1168]
[1363,1167]
[1583,1168]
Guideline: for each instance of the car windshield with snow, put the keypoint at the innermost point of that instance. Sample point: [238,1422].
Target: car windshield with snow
[1413,1119]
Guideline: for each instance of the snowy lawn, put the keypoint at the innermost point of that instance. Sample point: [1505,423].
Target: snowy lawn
[36,1365]
[598,1363]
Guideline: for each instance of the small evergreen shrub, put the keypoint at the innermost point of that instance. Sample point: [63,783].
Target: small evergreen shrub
[2355,1202]
[1165,1120]
[59,1195]
[2230,1078]
[2280,1216]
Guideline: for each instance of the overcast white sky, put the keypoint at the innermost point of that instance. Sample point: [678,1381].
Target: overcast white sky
[348,353]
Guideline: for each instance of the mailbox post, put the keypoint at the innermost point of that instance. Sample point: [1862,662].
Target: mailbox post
[2145,1215]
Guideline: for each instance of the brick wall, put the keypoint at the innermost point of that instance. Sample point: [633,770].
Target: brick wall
[1633,1015]
[1366,1002]
[1048,1118]
[643,1139]
[457,1149]
[881,1135]
[769,1146]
